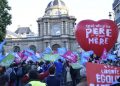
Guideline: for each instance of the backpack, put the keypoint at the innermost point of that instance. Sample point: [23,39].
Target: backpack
[13,76]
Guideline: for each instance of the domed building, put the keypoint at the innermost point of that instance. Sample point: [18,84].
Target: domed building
[56,7]
[55,29]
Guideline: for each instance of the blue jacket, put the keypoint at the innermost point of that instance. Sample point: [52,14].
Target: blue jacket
[52,81]
[59,68]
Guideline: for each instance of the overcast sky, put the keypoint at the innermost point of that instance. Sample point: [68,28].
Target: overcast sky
[26,12]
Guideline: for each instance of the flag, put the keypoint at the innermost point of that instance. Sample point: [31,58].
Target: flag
[111,57]
[83,61]
[17,57]
[7,60]
[1,44]
[70,56]
[86,55]
[48,50]
[1,57]
[34,58]
[61,51]
[51,57]
[29,52]
[21,54]
[104,54]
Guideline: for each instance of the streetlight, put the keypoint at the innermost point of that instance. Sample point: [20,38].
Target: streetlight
[110,16]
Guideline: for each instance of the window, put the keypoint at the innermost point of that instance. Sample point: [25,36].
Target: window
[56,29]
[118,11]
[64,27]
[39,29]
[16,49]
[47,44]
[64,44]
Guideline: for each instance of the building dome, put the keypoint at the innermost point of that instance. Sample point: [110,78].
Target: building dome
[56,7]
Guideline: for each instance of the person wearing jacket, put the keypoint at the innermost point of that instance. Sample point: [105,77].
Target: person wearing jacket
[34,81]
[3,76]
[52,80]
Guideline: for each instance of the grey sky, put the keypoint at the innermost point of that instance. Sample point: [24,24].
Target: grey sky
[26,12]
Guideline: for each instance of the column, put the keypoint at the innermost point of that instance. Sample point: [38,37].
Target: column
[44,29]
[49,28]
[39,29]
[67,45]
[62,31]
[66,28]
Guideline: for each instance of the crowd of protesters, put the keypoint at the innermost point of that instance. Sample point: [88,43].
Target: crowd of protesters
[46,73]
[98,60]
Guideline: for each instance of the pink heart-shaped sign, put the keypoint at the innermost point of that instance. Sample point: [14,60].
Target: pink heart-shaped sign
[96,36]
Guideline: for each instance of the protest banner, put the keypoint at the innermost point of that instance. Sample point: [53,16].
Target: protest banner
[101,75]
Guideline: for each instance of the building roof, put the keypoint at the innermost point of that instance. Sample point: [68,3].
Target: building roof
[23,30]
[56,7]
[56,2]
[10,34]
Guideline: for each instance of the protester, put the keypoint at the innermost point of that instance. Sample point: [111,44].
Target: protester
[34,81]
[41,76]
[75,74]
[59,67]
[59,70]
[65,72]
[52,80]
[83,82]
[68,75]
[3,77]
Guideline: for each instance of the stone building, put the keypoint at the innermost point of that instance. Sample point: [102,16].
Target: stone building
[116,8]
[55,29]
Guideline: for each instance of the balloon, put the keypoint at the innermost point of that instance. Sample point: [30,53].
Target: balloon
[96,36]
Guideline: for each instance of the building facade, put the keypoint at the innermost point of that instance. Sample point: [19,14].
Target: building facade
[55,29]
[116,8]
